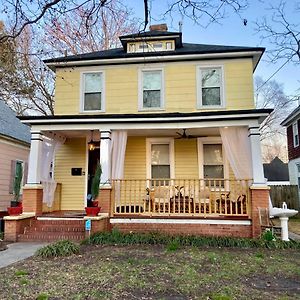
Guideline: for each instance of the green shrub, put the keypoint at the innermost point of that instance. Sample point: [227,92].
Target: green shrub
[268,235]
[60,248]
[119,238]
[173,245]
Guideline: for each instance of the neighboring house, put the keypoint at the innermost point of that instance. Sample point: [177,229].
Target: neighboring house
[292,128]
[174,126]
[277,172]
[14,150]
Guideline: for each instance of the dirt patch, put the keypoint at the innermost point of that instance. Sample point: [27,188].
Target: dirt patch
[153,272]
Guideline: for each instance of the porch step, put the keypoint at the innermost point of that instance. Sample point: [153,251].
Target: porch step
[53,230]
[50,237]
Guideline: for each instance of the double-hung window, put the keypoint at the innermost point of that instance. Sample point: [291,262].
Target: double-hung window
[93,94]
[160,159]
[151,94]
[295,135]
[210,87]
[213,165]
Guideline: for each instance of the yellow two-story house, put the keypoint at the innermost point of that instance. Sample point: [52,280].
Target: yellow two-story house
[174,127]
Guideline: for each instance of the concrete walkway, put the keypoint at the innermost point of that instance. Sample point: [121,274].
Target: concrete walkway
[17,252]
[294,236]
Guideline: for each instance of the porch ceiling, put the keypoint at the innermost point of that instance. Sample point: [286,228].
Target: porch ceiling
[201,132]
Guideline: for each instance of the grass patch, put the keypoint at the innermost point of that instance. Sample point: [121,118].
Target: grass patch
[21,273]
[174,242]
[42,297]
[60,248]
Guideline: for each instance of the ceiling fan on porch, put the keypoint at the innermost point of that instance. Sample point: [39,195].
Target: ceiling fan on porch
[184,135]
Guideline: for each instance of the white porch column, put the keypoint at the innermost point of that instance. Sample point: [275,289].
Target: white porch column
[105,157]
[35,158]
[256,158]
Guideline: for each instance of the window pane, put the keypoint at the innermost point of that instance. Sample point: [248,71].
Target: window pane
[211,96]
[212,154]
[160,171]
[92,101]
[151,80]
[213,171]
[92,82]
[160,154]
[151,99]
[211,77]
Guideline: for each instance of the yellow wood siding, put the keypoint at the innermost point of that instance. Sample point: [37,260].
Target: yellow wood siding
[135,158]
[186,159]
[121,86]
[71,155]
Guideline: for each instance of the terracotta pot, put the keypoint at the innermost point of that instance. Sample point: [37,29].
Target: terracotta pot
[92,211]
[15,211]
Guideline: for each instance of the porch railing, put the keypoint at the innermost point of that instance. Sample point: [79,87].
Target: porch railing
[174,197]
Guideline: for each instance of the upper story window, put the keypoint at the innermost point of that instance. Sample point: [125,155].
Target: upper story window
[295,135]
[92,91]
[151,90]
[210,87]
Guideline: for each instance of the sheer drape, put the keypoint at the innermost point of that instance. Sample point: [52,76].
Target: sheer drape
[118,149]
[50,146]
[236,144]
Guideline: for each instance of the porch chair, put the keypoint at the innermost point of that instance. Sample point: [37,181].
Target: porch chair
[160,197]
[266,221]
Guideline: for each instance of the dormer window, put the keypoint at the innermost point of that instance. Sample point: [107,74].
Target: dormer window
[169,46]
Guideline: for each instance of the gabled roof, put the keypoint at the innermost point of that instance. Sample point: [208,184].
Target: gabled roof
[186,49]
[11,126]
[293,116]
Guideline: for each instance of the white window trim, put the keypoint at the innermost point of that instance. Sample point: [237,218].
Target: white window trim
[199,87]
[140,91]
[151,141]
[82,92]
[295,133]
[211,140]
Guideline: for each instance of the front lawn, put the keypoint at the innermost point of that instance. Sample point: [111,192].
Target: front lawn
[153,272]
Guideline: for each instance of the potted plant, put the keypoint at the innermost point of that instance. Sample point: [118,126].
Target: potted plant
[16,205]
[93,209]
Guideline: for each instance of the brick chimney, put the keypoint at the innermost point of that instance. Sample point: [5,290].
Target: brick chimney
[158,27]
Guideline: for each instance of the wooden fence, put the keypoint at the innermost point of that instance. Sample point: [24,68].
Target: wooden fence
[285,193]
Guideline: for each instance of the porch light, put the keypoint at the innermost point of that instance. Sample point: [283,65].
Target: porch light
[91,143]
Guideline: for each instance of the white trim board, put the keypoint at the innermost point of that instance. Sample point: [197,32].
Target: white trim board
[179,221]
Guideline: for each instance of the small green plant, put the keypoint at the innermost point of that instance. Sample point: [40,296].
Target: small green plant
[260,255]
[42,297]
[21,272]
[18,182]
[173,245]
[96,182]
[24,281]
[268,236]
[60,248]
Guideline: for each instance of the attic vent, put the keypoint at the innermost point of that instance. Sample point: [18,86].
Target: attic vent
[158,27]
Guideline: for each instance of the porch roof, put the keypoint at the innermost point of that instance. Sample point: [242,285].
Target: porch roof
[203,116]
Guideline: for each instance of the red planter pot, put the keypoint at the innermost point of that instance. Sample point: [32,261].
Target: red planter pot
[92,211]
[15,211]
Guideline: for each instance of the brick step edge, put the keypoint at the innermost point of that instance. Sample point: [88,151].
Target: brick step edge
[59,222]
[54,229]
[47,237]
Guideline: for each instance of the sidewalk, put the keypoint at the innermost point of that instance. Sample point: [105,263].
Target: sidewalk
[17,252]
[294,236]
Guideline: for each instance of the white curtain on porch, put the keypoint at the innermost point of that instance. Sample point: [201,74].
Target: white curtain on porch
[237,148]
[50,146]
[118,149]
